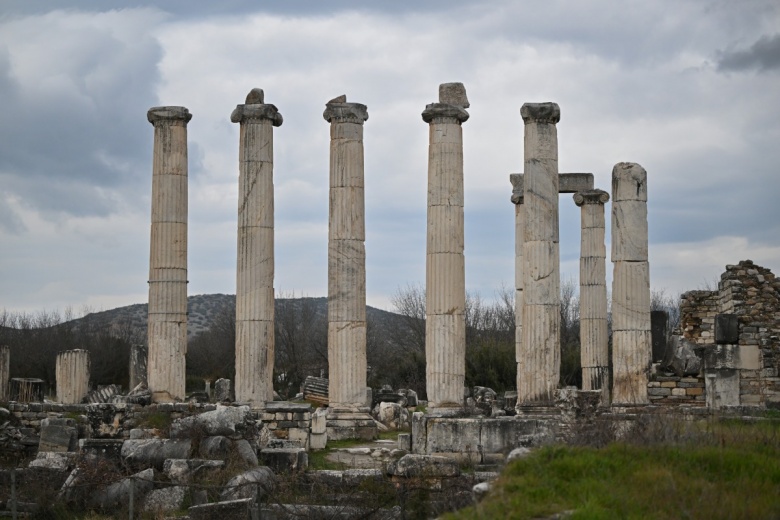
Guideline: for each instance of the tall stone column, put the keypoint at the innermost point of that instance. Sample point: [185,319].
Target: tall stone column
[445,277]
[72,375]
[594,338]
[540,345]
[255,269]
[348,394]
[5,372]
[631,338]
[518,199]
[167,335]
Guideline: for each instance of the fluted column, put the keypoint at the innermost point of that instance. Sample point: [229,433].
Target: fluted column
[445,276]
[167,334]
[540,347]
[594,338]
[5,372]
[631,341]
[346,255]
[518,200]
[72,375]
[255,258]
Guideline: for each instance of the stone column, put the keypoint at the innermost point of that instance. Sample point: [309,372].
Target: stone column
[594,338]
[631,337]
[346,256]
[167,335]
[445,278]
[255,269]
[138,356]
[518,198]
[72,375]
[5,372]
[540,345]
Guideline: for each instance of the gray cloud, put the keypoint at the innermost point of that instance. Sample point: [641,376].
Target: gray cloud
[763,55]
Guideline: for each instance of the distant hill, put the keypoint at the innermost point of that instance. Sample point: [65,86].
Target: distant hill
[203,310]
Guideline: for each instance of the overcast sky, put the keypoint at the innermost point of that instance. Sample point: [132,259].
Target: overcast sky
[688,89]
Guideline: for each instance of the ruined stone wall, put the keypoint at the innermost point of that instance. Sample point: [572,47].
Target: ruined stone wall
[676,390]
[744,367]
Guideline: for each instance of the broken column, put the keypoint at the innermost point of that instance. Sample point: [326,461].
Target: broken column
[349,401]
[540,347]
[518,199]
[5,372]
[138,355]
[72,376]
[255,269]
[594,337]
[167,334]
[631,337]
[445,278]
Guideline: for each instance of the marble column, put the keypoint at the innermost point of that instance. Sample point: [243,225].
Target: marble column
[167,334]
[346,256]
[445,277]
[5,372]
[631,338]
[518,198]
[594,337]
[255,259]
[540,345]
[72,376]
[137,369]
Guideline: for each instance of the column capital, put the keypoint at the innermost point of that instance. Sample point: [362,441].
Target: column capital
[540,113]
[518,195]
[337,110]
[591,197]
[442,112]
[256,112]
[157,115]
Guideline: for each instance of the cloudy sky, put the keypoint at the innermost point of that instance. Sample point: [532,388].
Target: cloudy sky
[688,89]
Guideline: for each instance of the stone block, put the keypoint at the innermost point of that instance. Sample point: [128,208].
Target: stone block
[427,466]
[253,484]
[58,438]
[658,327]
[285,459]
[165,499]
[318,441]
[299,435]
[154,452]
[240,509]
[726,329]
[722,388]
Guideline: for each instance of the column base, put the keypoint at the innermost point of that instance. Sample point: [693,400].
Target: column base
[350,422]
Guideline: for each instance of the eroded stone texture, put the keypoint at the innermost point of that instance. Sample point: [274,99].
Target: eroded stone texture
[631,337]
[255,259]
[594,338]
[167,334]
[138,356]
[539,361]
[518,199]
[5,371]
[346,256]
[445,278]
[72,374]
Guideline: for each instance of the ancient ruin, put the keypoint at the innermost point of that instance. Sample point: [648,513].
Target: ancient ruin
[167,334]
[445,274]
[348,393]
[255,269]
[72,376]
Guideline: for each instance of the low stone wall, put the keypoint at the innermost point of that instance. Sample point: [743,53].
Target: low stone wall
[674,390]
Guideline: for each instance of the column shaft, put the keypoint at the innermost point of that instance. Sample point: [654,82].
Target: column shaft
[167,334]
[518,199]
[631,341]
[594,339]
[445,277]
[346,256]
[255,255]
[540,346]
[72,376]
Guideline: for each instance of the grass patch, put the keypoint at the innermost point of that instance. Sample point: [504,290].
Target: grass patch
[730,470]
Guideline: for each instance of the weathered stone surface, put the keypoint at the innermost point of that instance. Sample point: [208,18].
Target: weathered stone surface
[72,374]
[165,499]
[55,437]
[110,449]
[722,388]
[413,465]
[453,94]
[118,494]
[255,484]
[227,510]
[726,329]
[181,471]
[167,327]
[225,420]
[683,360]
[517,453]
[138,356]
[246,452]
[54,460]
[154,452]
[214,447]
